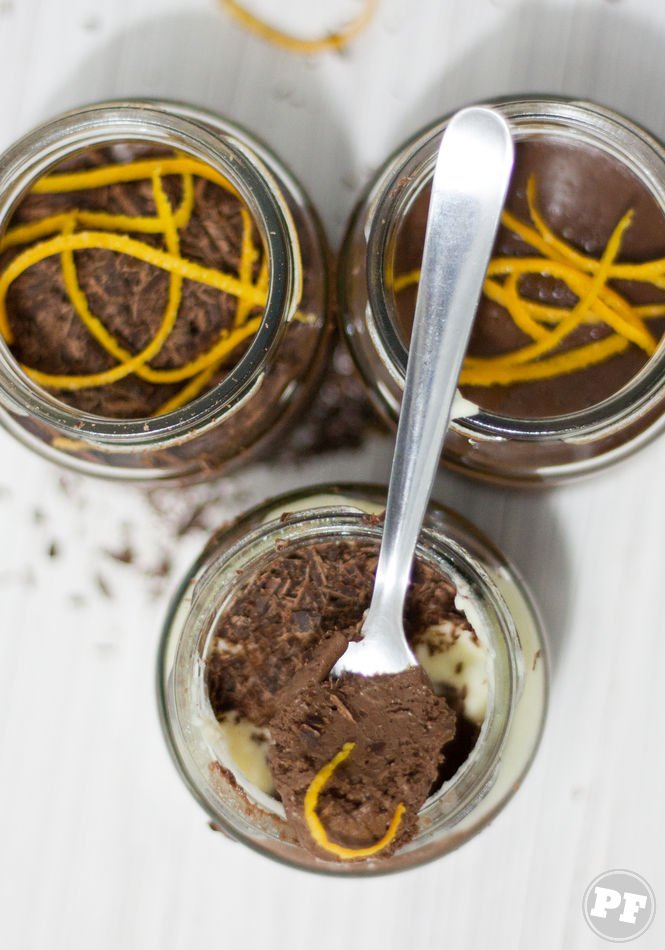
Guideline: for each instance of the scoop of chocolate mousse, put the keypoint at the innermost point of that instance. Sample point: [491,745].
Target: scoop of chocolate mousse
[398,728]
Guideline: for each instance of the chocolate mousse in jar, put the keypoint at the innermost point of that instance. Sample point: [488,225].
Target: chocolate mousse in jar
[163,293]
[565,370]
[357,775]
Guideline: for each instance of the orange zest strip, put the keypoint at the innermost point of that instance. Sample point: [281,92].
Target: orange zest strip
[76,295]
[83,381]
[223,348]
[560,365]
[554,337]
[61,182]
[188,392]
[557,249]
[315,825]
[406,280]
[517,308]
[264,275]
[551,314]
[629,322]
[226,344]
[93,324]
[167,223]
[296,44]
[248,255]
[604,266]
[598,312]
[529,235]
[587,279]
[648,272]
[578,282]
[28,233]
[122,244]
[107,341]
[554,246]
[630,326]
[650,311]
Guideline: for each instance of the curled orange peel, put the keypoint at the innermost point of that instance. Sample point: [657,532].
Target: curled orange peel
[83,381]
[249,294]
[315,825]
[548,326]
[100,220]
[61,182]
[121,244]
[295,44]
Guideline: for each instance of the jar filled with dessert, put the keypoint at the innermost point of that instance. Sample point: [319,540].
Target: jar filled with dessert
[163,292]
[352,775]
[565,370]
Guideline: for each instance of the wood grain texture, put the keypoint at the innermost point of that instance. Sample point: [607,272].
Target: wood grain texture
[100,844]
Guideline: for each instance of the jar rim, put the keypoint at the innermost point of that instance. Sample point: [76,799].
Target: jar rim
[412,166]
[187,623]
[137,120]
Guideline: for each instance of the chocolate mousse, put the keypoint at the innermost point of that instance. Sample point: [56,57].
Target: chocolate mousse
[581,195]
[394,729]
[268,677]
[126,294]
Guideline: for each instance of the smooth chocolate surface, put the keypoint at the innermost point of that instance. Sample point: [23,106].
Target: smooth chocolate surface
[582,193]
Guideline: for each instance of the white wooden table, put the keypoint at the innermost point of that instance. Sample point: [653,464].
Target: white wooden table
[101,846]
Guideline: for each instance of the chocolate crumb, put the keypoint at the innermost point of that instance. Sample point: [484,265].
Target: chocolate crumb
[124,555]
[162,568]
[65,486]
[103,586]
[339,417]
[194,521]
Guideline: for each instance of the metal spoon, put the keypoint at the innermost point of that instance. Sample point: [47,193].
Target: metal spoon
[468,191]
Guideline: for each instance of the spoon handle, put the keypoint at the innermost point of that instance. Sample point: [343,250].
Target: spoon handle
[468,191]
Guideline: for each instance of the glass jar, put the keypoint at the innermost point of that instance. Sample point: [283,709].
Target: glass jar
[480,443]
[253,405]
[495,602]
